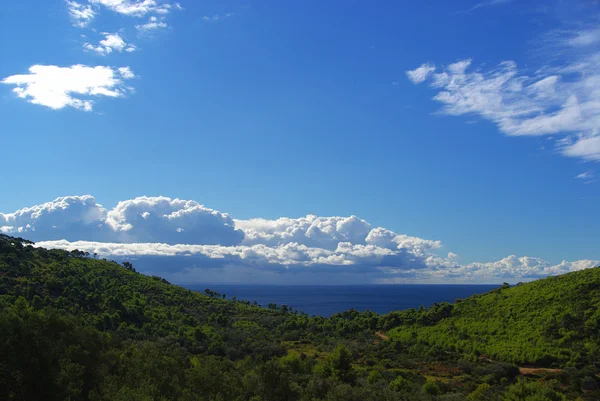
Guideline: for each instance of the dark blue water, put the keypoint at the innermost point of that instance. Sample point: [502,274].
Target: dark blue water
[327,300]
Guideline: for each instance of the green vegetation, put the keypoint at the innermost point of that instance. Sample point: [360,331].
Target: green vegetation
[73,327]
[553,322]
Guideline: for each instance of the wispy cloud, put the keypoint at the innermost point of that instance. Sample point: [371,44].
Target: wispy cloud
[80,14]
[152,24]
[217,17]
[58,87]
[559,99]
[584,38]
[111,42]
[126,72]
[488,3]
[587,177]
[135,8]
[421,73]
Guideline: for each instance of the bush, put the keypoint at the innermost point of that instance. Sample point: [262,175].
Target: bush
[431,388]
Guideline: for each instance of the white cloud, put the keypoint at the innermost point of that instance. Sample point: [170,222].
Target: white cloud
[80,15]
[152,24]
[143,219]
[284,256]
[217,17]
[126,72]
[585,38]
[586,147]
[420,74]
[555,100]
[356,263]
[71,217]
[489,3]
[58,87]
[184,240]
[587,177]
[134,8]
[111,42]
[520,267]
[323,232]
[162,219]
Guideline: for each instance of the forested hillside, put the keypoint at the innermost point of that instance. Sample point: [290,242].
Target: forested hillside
[73,327]
[553,322]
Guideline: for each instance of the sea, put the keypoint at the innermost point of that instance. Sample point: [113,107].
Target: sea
[326,300]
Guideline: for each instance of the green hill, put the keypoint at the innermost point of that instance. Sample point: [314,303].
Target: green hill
[553,322]
[73,327]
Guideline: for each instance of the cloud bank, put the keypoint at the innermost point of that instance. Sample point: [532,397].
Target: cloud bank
[561,98]
[185,241]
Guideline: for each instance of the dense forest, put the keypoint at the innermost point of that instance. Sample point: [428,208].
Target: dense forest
[74,327]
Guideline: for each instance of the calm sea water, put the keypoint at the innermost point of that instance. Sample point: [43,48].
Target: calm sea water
[327,300]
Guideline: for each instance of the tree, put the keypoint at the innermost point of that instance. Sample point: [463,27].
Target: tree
[340,363]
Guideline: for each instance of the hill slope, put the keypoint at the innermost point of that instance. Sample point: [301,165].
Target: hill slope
[77,328]
[553,322]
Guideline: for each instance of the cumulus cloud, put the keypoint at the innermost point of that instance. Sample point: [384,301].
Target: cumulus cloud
[152,24]
[58,87]
[559,99]
[111,42]
[173,221]
[323,232]
[70,217]
[186,241]
[520,267]
[80,14]
[143,219]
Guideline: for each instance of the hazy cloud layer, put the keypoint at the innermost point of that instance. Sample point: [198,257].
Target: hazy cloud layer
[75,86]
[561,98]
[186,241]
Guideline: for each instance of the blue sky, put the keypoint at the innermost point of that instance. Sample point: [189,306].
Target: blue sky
[283,109]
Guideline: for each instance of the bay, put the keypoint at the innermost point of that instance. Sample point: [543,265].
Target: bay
[325,300]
